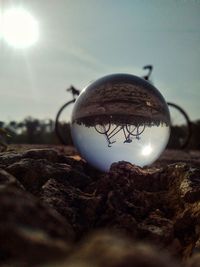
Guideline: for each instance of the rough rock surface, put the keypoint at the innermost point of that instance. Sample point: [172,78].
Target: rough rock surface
[51,201]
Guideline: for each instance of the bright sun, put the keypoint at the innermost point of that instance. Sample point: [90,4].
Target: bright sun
[19,28]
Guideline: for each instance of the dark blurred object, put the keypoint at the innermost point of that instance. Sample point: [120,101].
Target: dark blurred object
[195,140]
[194,261]
[178,132]
[3,135]
[107,249]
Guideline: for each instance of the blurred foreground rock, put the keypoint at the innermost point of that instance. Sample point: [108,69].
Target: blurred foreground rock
[56,210]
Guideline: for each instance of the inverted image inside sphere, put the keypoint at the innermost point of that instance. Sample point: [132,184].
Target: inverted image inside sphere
[120,117]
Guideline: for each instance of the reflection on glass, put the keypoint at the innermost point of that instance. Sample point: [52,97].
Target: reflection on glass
[120,117]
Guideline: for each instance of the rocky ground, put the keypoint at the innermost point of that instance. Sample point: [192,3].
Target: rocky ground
[56,210]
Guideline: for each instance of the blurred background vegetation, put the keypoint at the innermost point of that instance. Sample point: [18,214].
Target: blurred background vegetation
[30,131]
[35,131]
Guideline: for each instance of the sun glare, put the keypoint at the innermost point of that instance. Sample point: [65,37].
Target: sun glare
[19,28]
[147,150]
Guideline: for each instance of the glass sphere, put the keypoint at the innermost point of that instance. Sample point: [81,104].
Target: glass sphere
[120,117]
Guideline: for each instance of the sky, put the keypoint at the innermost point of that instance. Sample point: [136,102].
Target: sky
[82,40]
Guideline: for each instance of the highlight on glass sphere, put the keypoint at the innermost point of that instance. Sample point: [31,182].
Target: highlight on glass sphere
[120,117]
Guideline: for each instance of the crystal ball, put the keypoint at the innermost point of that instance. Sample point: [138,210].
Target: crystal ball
[120,117]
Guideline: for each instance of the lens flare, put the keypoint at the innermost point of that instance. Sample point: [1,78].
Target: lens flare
[147,150]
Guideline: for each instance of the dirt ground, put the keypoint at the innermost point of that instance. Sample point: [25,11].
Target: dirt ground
[57,210]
